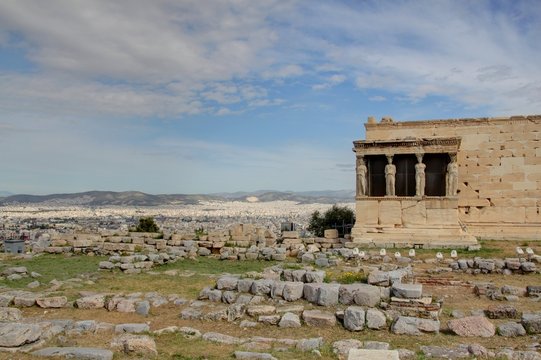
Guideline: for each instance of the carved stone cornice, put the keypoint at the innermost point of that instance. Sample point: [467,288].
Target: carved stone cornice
[406,146]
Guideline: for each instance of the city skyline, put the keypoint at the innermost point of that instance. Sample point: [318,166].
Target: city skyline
[206,97]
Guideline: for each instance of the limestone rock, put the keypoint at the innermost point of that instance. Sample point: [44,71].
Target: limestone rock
[375,319]
[247,324]
[361,354]
[246,355]
[227,283]
[277,289]
[414,326]
[25,299]
[229,297]
[386,278]
[135,344]
[126,305]
[309,344]
[91,302]
[502,312]
[142,307]
[342,347]
[532,322]
[376,345]
[221,338]
[292,291]
[244,285]
[298,275]
[214,295]
[354,318]
[75,353]
[346,293]
[460,351]
[191,314]
[261,287]
[257,310]
[310,292]
[17,334]
[318,318]
[10,314]
[85,325]
[367,295]
[327,294]
[6,299]
[269,319]
[14,270]
[52,302]
[407,291]
[131,328]
[290,320]
[511,329]
[406,354]
[472,326]
[315,276]
[106,265]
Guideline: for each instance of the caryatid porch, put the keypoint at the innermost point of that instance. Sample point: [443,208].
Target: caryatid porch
[407,193]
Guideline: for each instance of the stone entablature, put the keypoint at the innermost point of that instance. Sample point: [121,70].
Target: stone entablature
[384,147]
[493,170]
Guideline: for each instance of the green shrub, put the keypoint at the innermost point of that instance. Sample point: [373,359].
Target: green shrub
[147,224]
[335,217]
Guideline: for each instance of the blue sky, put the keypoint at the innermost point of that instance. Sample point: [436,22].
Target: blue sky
[208,96]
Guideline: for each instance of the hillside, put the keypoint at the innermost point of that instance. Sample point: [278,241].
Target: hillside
[136,198]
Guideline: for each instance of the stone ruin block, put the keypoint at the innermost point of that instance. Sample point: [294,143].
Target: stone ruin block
[330,234]
[290,235]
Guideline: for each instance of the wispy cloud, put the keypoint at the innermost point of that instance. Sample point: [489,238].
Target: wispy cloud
[330,82]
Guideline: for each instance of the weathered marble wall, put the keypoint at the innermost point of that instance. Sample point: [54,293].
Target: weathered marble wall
[499,191]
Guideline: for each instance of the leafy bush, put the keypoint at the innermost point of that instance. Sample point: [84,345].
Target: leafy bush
[147,224]
[334,218]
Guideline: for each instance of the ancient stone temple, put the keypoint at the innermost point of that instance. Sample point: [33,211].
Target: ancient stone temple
[448,182]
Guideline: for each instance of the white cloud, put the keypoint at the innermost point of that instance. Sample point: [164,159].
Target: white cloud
[330,82]
[287,71]
[451,49]
[470,52]
[377,98]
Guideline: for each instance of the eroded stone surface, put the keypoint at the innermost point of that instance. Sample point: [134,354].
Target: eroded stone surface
[75,353]
[17,334]
[318,318]
[414,326]
[136,344]
[472,326]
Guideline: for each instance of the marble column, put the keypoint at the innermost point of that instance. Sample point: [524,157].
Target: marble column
[362,172]
[390,174]
[420,179]
[451,178]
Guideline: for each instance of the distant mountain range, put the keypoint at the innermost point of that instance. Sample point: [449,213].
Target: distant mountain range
[136,198]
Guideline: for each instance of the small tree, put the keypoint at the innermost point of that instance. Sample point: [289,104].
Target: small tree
[333,218]
[147,224]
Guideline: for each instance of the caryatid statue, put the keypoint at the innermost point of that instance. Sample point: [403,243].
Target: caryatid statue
[390,173]
[362,170]
[451,179]
[420,176]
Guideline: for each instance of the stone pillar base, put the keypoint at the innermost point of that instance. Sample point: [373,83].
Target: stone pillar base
[421,237]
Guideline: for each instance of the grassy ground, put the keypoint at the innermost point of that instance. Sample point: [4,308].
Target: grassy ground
[186,278]
[59,267]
